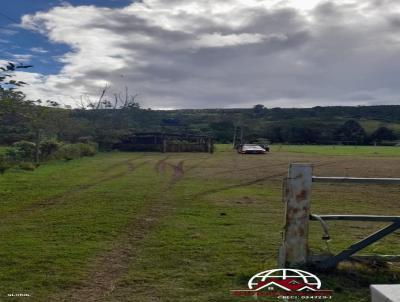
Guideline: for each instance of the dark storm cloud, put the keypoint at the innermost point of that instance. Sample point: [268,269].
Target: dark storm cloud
[181,54]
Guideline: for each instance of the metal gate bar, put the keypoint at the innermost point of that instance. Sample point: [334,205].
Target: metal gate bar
[297,192]
[354,248]
[355,217]
[356,180]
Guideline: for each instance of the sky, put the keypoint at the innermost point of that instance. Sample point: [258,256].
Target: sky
[206,53]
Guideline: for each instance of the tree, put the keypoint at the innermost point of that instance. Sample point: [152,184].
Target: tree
[351,132]
[259,110]
[13,107]
[223,130]
[275,134]
[383,133]
[20,111]
[7,85]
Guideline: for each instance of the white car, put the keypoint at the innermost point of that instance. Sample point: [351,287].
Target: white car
[251,149]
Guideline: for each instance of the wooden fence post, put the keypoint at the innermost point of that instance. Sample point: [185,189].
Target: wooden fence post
[209,145]
[297,192]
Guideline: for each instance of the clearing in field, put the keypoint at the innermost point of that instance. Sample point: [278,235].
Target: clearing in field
[180,227]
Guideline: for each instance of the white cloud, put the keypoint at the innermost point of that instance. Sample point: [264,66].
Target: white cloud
[218,40]
[8,32]
[38,50]
[233,53]
[22,58]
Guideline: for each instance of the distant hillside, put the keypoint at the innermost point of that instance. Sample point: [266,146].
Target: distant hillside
[318,125]
[293,125]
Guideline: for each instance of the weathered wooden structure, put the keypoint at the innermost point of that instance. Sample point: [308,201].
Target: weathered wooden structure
[297,198]
[162,142]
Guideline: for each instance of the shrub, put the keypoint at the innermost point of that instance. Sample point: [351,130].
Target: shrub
[68,152]
[22,150]
[27,166]
[72,151]
[48,148]
[89,149]
[12,154]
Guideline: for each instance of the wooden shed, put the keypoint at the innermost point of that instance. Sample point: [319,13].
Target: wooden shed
[162,142]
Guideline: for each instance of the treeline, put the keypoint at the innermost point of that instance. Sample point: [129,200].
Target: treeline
[104,121]
[349,133]
[34,122]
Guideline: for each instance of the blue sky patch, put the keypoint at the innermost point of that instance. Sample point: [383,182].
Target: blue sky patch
[25,46]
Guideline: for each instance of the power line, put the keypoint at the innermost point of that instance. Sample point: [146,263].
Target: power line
[8,17]
[14,20]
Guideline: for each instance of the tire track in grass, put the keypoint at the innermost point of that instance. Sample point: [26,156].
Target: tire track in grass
[247,169]
[107,270]
[118,164]
[255,181]
[199,164]
[178,171]
[159,167]
[62,197]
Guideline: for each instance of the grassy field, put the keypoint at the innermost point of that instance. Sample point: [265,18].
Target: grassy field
[375,151]
[180,227]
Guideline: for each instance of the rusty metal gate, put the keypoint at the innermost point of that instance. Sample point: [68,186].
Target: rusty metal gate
[294,251]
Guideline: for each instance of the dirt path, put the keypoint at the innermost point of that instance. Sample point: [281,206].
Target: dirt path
[159,167]
[178,171]
[107,270]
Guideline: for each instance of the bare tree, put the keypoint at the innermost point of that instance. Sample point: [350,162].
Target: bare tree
[126,100]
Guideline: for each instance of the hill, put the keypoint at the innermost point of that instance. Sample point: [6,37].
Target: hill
[317,125]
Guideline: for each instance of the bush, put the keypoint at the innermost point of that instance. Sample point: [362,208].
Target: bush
[68,152]
[12,154]
[89,149]
[27,166]
[72,151]
[22,150]
[48,148]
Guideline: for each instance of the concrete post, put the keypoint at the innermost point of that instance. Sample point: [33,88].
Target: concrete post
[385,293]
[297,192]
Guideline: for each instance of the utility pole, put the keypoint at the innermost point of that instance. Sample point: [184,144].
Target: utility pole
[237,137]
[234,137]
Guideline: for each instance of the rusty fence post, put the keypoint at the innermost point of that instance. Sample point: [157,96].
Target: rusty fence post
[297,192]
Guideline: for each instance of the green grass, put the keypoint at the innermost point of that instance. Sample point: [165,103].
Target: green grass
[48,237]
[376,151]
[213,228]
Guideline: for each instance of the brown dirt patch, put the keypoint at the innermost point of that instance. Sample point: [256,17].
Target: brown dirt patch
[178,171]
[160,166]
